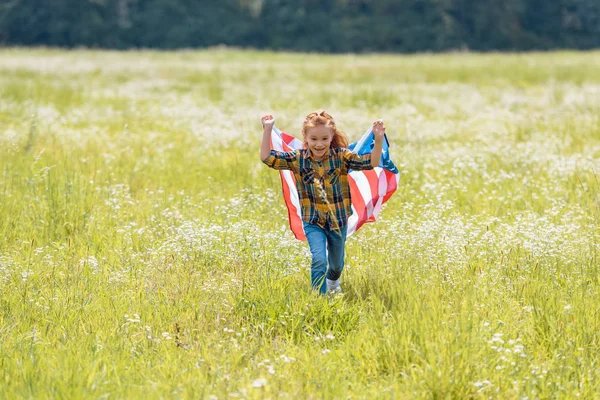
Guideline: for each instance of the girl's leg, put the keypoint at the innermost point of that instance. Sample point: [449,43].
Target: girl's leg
[336,241]
[317,241]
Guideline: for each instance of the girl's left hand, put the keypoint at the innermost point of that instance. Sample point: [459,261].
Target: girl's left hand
[378,129]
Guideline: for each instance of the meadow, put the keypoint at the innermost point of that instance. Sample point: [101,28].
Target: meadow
[145,249]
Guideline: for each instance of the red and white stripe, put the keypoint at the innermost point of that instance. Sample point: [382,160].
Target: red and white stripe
[369,189]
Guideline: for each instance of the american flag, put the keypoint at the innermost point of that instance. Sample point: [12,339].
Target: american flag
[369,189]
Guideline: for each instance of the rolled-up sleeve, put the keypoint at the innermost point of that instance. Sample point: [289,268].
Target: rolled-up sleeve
[281,160]
[357,162]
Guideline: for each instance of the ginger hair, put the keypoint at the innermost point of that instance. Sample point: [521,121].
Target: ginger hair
[321,117]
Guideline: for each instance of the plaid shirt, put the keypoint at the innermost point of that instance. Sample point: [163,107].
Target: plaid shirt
[323,186]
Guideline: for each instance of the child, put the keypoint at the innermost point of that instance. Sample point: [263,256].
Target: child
[321,172]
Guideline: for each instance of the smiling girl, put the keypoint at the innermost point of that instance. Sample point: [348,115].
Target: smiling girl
[321,170]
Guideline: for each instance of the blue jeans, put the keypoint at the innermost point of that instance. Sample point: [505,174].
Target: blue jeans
[326,246]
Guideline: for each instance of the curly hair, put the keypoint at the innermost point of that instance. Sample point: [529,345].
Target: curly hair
[321,117]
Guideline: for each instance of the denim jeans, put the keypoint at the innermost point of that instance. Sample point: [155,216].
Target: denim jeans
[326,247]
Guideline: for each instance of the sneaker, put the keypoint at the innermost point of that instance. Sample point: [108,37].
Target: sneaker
[334,287]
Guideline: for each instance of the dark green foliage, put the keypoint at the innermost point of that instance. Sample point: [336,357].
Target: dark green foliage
[305,25]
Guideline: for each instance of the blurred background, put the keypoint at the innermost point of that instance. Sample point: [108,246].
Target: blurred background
[336,26]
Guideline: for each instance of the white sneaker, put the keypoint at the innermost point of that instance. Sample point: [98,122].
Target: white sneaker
[334,287]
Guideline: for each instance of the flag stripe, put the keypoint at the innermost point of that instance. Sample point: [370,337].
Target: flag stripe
[361,197]
[279,142]
[293,204]
[392,184]
[358,203]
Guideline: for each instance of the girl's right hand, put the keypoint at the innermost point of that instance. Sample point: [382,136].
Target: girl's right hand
[268,121]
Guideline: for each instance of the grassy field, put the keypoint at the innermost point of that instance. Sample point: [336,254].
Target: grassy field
[145,250]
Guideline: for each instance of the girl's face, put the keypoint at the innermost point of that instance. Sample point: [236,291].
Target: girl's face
[319,139]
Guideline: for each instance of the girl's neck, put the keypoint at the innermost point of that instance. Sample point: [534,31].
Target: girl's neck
[319,158]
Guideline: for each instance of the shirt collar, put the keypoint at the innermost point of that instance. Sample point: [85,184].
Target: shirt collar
[308,154]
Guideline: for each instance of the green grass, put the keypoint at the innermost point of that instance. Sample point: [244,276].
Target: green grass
[145,248]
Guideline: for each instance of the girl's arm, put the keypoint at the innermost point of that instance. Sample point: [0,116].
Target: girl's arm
[265,148]
[275,159]
[379,132]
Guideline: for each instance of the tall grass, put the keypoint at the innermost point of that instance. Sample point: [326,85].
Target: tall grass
[145,248]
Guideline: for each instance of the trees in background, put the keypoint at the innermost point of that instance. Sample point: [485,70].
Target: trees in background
[304,25]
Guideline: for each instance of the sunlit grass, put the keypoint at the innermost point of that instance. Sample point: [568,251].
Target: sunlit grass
[145,248]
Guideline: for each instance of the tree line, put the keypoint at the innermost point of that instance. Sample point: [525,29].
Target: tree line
[304,25]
